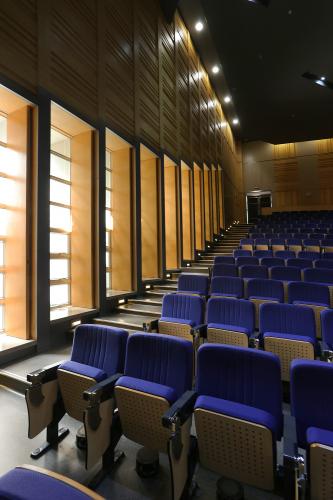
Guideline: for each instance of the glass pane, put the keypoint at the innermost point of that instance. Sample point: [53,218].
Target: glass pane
[60,218]
[59,243]
[107,259]
[108,179]
[107,239]
[60,143]
[2,253]
[59,269]
[8,191]
[60,192]
[60,168]
[4,221]
[108,280]
[108,159]
[108,199]
[3,128]
[59,295]
[2,285]
[108,220]
[2,317]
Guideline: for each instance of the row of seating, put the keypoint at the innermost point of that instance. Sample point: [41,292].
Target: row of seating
[295,244]
[236,403]
[262,257]
[283,254]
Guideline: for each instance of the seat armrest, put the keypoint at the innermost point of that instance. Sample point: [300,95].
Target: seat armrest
[44,375]
[254,340]
[102,390]
[151,326]
[181,409]
[326,352]
[201,330]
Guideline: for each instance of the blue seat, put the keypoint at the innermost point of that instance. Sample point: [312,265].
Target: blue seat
[253,236]
[317,236]
[182,315]
[294,244]
[246,244]
[323,263]
[253,272]
[242,253]
[327,245]
[157,377]
[225,270]
[300,263]
[311,245]
[316,275]
[227,286]
[34,483]
[285,235]
[244,261]
[272,261]
[260,291]
[286,273]
[230,321]
[224,259]
[289,331]
[239,404]
[278,244]
[327,327]
[262,243]
[97,358]
[327,255]
[303,236]
[193,283]
[285,254]
[262,253]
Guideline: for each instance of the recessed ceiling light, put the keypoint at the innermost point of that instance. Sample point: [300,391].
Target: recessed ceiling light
[261,2]
[235,121]
[227,98]
[319,80]
[199,26]
[323,78]
[215,69]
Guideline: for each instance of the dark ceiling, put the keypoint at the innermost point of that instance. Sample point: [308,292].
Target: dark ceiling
[264,51]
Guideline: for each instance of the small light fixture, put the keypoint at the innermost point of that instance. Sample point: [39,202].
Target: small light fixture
[199,26]
[76,323]
[227,99]
[323,78]
[121,301]
[188,264]
[199,254]
[215,69]
[148,287]
[235,121]
[208,246]
[168,275]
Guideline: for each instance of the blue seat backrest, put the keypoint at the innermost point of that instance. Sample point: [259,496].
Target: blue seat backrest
[327,243]
[318,275]
[181,306]
[242,253]
[317,236]
[301,263]
[227,284]
[326,318]
[247,376]
[309,255]
[246,241]
[254,272]
[324,263]
[272,261]
[294,241]
[231,312]
[277,241]
[262,253]
[189,282]
[254,236]
[241,261]
[100,346]
[271,289]
[302,236]
[327,255]
[285,235]
[285,254]
[287,318]
[224,259]
[311,385]
[308,292]
[286,273]
[262,241]
[225,270]
[162,359]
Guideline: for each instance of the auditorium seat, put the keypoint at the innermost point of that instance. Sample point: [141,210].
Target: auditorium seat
[278,244]
[196,284]
[262,243]
[327,245]
[286,274]
[248,272]
[327,255]
[312,295]
[238,413]
[225,270]
[326,319]
[242,253]
[224,259]
[300,263]
[260,291]
[272,261]
[153,394]
[262,253]
[246,244]
[230,321]
[294,244]
[97,358]
[227,286]
[305,254]
[247,261]
[28,482]
[288,331]
[323,263]
[311,245]
[323,276]
[285,254]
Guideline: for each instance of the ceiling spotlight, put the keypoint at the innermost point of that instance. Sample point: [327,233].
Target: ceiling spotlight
[215,69]
[319,80]
[227,98]
[235,121]
[261,2]
[199,26]
[323,78]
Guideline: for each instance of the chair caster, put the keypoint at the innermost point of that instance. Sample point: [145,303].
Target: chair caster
[227,489]
[81,440]
[147,463]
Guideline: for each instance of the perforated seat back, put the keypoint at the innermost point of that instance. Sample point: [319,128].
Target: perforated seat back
[231,312]
[181,306]
[327,326]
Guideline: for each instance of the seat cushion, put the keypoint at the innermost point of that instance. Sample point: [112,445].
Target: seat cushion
[322,436]
[232,328]
[85,370]
[178,320]
[25,484]
[300,338]
[238,410]
[162,391]
[309,303]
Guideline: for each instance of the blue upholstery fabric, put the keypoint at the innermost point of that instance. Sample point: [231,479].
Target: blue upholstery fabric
[311,385]
[239,411]
[308,293]
[327,243]
[301,263]
[242,253]
[286,236]
[278,241]
[231,312]
[246,241]
[162,359]
[285,254]
[253,272]
[86,370]
[153,388]
[195,283]
[183,307]
[272,261]
[326,318]
[294,241]
[101,347]
[324,263]
[286,273]
[309,255]
[224,259]
[316,435]
[262,241]
[311,242]
[319,275]
[254,236]
[247,261]
[240,375]
[317,236]
[25,484]
[327,255]
[287,319]
[303,236]
[225,270]
[262,253]
[227,285]
[265,289]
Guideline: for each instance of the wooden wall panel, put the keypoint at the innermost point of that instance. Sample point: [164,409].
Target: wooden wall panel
[204,125]
[325,171]
[194,103]
[285,175]
[183,103]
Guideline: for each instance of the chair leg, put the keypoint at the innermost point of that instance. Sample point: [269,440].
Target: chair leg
[54,435]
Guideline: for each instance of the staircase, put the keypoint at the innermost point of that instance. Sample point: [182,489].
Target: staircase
[145,308]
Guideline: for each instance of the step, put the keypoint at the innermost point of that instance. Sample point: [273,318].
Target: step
[154,301]
[195,270]
[131,322]
[167,287]
[155,293]
[140,309]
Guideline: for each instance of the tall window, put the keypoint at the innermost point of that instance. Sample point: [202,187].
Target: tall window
[108,218]
[60,219]
[5,182]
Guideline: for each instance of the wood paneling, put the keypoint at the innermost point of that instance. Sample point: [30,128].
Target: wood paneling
[183,102]
[198,208]
[325,171]
[287,150]
[186,178]
[171,215]
[194,103]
